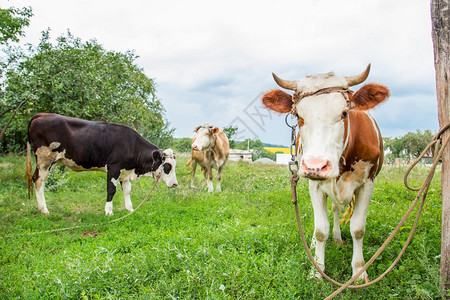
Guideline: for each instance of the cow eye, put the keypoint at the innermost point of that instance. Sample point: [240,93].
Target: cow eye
[167,168]
[344,114]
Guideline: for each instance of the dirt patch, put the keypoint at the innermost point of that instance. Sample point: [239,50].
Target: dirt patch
[91,233]
[5,165]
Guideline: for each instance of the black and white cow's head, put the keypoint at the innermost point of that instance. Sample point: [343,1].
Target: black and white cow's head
[166,169]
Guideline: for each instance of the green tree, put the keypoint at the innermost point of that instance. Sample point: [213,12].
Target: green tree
[85,81]
[415,142]
[230,132]
[12,22]
[183,145]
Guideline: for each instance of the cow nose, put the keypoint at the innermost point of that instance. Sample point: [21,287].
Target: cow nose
[316,168]
[194,147]
[174,185]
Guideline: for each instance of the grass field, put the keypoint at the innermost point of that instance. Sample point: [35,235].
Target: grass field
[242,243]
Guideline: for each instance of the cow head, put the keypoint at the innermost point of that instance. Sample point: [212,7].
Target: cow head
[204,138]
[322,103]
[166,170]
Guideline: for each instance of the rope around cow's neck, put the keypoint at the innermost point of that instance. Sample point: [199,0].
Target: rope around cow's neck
[423,189]
[92,225]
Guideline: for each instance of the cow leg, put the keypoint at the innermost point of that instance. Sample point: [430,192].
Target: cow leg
[358,224]
[193,167]
[111,185]
[126,188]
[321,224]
[209,179]
[336,224]
[39,178]
[219,178]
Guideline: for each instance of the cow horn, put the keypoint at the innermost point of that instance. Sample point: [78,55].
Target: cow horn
[354,80]
[287,84]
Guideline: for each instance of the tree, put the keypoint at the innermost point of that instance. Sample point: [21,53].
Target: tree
[415,143]
[183,145]
[86,81]
[230,132]
[12,23]
[441,44]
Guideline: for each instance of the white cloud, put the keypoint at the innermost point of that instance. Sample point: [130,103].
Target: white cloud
[211,59]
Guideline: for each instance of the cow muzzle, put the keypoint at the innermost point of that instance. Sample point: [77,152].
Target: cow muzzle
[318,169]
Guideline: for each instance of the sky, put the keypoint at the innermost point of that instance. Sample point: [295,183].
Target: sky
[212,60]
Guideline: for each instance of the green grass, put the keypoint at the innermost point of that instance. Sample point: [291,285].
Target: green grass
[242,243]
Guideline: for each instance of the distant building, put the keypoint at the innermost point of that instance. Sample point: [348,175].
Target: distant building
[240,155]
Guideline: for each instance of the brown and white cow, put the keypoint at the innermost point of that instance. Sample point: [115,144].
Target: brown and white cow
[210,149]
[340,149]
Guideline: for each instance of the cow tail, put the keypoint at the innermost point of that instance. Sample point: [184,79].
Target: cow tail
[28,176]
[189,162]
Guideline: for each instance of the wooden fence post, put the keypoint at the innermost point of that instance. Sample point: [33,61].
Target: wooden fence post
[441,43]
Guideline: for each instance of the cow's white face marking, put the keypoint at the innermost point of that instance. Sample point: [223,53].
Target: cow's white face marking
[166,170]
[203,139]
[322,135]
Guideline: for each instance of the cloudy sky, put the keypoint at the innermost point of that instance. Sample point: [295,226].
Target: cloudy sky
[212,60]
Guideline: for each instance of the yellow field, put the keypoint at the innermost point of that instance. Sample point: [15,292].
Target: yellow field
[274,149]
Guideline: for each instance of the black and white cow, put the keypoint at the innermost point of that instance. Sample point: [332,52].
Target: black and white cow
[84,145]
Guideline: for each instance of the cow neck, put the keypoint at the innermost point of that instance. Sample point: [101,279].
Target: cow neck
[215,150]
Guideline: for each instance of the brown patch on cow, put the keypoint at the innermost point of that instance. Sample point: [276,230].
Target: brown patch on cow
[277,100]
[364,144]
[370,96]
[319,236]
[358,234]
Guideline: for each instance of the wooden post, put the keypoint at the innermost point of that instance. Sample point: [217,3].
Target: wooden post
[440,11]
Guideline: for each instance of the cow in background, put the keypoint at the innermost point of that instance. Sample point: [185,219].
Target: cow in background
[210,149]
[340,149]
[83,145]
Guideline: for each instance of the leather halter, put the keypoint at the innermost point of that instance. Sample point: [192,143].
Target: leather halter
[299,95]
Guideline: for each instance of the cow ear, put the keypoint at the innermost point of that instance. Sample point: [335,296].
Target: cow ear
[277,100]
[197,128]
[215,130]
[370,96]
[158,156]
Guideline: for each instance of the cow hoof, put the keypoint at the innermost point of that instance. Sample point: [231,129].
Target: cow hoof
[44,212]
[314,274]
[361,280]
[339,242]
[109,214]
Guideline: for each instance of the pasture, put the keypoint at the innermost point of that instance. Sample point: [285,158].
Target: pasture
[242,243]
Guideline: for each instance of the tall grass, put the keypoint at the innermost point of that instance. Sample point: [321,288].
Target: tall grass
[242,243]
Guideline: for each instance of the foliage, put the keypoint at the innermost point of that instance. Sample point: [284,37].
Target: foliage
[230,132]
[12,22]
[183,145]
[408,146]
[242,243]
[83,80]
